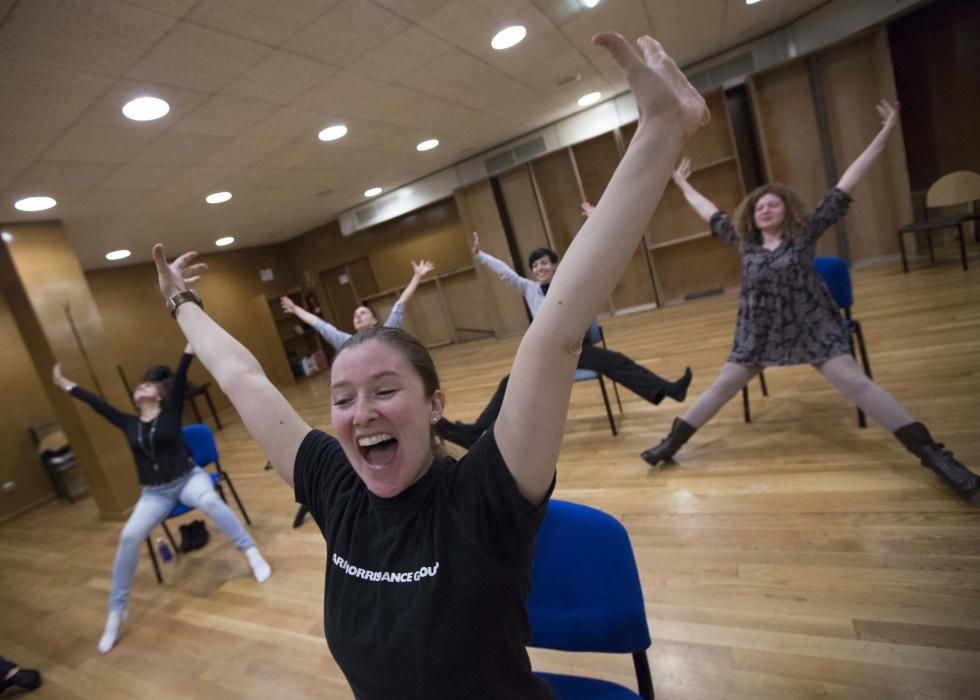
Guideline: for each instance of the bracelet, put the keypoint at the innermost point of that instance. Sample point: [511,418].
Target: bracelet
[69,386]
[181,298]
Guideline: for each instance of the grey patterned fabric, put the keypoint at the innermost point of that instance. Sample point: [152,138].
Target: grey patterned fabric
[786,315]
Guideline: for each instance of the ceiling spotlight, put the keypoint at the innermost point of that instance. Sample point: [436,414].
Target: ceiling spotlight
[752,2]
[332,133]
[427,145]
[590,99]
[373,192]
[117,255]
[145,109]
[590,3]
[511,36]
[227,240]
[217,197]
[35,203]
[7,236]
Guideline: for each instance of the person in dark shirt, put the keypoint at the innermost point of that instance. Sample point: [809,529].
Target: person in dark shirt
[167,474]
[786,315]
[609,363]
[429,559]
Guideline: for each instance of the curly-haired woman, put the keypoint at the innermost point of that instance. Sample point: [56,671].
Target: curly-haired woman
[786,315]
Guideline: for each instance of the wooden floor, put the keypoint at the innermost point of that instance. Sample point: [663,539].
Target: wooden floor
[796,557]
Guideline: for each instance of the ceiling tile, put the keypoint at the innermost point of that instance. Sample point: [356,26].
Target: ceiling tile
[170,148]
[198,58]
[413,10]
[259,20]
[92,144]
[280,77]
[224,115]
[97,37]
[346,32]
[141,177]
[172,8]
[46,95]
[107,110]
[55,176]
[405,52]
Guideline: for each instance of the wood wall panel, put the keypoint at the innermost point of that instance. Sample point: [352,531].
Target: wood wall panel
[478,211]
[855,76]
[429,321]
[466,303]
[560,197]
[522,208]
[596,160]
[696,266]
[714,141]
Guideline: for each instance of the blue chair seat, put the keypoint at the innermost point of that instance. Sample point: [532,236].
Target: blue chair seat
[582,375]
[180,508]
[579,688]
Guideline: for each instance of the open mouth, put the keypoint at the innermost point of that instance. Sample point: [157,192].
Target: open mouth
[378,450]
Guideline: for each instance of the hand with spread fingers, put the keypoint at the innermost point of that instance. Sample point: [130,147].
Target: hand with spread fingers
[176,276]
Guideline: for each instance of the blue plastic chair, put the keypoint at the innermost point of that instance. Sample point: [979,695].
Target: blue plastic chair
[586,596]
[836,275]
[595,336]
[200,443]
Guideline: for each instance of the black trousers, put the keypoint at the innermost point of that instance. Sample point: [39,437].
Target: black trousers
[608,363]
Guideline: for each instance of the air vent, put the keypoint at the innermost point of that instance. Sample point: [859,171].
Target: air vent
[366,214]
[518,154]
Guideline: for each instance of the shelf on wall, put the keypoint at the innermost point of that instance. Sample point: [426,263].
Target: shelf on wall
[679,241]
[428,278]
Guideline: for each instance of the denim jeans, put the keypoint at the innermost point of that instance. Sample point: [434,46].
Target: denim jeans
[193,489]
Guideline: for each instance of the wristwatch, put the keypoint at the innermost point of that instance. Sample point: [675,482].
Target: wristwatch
[181,297]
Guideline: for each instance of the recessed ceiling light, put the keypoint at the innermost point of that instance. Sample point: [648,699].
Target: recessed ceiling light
[227,240]
[7,236]
[117,255]
[590,3]
[752,2]
[217,197]
[511,36]
[145,109]
[590,99]
[427,145]
[373,192]
[332,133]
[35,203]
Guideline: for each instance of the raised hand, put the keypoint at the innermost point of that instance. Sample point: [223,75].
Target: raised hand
[476,243]
[683,170]
[888,113]
[661,90]
[288,305]
[59,379]
[174,277]
[423,267]
[587,209]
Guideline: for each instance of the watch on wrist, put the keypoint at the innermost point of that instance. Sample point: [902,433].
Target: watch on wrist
[182,297]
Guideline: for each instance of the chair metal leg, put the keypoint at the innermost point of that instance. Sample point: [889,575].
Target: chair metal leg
[762,381]
[644,680]
[962,233]
[901,246]
[234,493]
[605,401]
[862,420]
[153,558]
[173,545]
[616,392]
[746,413]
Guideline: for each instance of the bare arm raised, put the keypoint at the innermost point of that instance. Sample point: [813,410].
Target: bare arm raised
[701,204]
[291,307]
[419,270]
[856,170]
[274,424]
[532,419]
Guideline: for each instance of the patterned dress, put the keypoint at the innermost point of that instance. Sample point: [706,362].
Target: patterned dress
[786,315]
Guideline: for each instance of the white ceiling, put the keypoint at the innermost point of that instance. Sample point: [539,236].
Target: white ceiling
[251,83]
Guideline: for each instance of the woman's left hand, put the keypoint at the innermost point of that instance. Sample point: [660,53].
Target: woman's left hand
[422,268]
[888,113]
[174,277]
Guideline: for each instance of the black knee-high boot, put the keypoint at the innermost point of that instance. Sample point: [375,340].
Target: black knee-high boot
[680,432]
[936,457]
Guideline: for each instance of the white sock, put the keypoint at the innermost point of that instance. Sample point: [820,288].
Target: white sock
[112,628]
[260,567]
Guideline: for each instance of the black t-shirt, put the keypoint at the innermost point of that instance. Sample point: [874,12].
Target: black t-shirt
[158,446]
[426,593]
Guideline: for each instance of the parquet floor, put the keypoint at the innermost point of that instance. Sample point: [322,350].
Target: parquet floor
[796,557]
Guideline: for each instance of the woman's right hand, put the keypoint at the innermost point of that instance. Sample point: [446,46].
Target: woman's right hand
[174,277]
[288,305]
[476,243]
[683,171]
